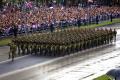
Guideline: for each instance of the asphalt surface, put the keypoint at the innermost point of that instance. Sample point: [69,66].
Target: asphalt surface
[22,63]
[4,53]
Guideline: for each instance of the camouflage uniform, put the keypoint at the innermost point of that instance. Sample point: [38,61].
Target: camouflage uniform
[13,49]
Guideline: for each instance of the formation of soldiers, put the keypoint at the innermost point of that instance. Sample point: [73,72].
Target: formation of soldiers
[41,18]
[64,42]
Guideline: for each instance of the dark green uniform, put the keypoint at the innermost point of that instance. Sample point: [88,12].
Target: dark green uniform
[13,49]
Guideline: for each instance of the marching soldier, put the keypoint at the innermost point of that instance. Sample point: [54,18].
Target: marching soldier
[110,35]
[10,45]
[12,52]
[114,34]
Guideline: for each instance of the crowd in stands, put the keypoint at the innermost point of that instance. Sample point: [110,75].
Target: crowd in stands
[44,18]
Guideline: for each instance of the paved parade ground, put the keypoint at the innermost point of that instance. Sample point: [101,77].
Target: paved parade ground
[95,63]
[21,63]
[4,53]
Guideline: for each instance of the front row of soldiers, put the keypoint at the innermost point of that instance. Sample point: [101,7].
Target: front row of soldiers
[63,42]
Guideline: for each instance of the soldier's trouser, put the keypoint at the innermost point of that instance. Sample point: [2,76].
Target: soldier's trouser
[115,38]
[23,51]
[28,50]
[10,53]
[19,50]
[13,55]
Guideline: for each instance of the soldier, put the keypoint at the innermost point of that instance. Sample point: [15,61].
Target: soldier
[12,52]
[111,17]
[51,27]
[10,45]
[27,47]
[15,30]
[79,22]
[110,35]
[114,34]
[34,47]
[97,19]
[18,46]
[23,47]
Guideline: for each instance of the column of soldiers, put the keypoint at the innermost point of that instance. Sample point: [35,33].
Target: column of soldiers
[65,42]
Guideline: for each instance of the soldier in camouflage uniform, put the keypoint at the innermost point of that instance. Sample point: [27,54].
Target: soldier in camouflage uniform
[13,49]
